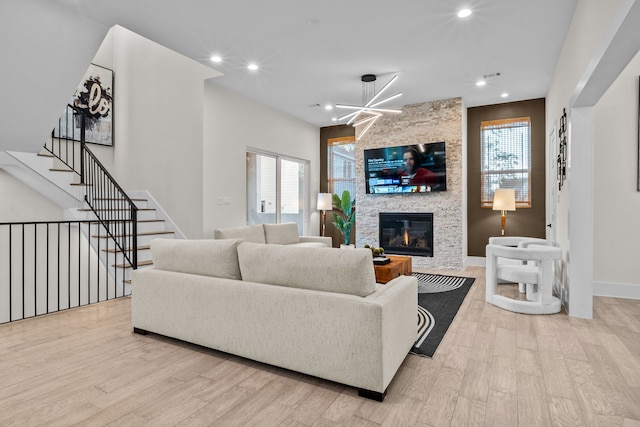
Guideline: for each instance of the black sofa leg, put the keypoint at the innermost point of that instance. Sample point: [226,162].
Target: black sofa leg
[373,395]
[139,331]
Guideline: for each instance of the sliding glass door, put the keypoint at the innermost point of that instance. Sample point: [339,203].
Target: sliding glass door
[275,189]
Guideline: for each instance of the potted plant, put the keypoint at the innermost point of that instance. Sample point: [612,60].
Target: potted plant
[347,217]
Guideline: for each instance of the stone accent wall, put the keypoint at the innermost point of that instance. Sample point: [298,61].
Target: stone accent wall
[419,123]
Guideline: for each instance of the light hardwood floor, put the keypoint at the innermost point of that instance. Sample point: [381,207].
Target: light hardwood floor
[494,368]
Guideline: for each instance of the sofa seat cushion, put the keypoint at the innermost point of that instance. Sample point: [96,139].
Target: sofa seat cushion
[321,269]
[281,234]
[216,258]
[248,233]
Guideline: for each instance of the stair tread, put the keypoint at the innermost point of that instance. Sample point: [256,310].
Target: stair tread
[121,198]
[140,220]
[81,184]
[146,233]
[60,170]
[140,248]
[46,155]
[127,265]
[105,209]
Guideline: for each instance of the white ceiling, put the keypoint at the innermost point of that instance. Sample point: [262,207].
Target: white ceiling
[312,53]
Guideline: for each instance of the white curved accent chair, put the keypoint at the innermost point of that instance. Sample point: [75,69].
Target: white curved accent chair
[516,242]
[529,263]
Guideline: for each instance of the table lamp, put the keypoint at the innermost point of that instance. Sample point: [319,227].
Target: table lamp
[325,203]
[504,199]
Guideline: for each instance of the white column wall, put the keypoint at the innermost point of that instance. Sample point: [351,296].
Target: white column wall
[579,294]
[589,39]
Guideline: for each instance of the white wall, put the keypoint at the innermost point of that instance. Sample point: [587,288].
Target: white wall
[19,202]
[233,123]
[158,120]
[616,199]
[45,51]
[591,20]
[159,114]
[183,138]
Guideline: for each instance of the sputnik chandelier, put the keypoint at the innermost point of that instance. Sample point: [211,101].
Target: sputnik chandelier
[363,117]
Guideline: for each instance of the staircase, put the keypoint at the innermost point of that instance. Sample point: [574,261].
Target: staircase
[149,227]
[47,174]
[118,225]
[89,256]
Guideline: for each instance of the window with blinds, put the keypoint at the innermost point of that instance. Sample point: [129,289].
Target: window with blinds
[341,164]
[506,159]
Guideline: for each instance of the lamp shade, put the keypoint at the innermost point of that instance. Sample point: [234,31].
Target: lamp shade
[504,199]
[325,201]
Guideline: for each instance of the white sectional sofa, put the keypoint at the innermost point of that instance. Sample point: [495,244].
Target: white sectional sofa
[277,234]
[317,311]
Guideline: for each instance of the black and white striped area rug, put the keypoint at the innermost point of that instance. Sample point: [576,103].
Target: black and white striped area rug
[437,308]
[433,283]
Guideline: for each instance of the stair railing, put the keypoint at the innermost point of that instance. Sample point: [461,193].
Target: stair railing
[47,267]
[115,211]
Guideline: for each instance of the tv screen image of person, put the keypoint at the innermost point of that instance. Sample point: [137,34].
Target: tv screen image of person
[416,168]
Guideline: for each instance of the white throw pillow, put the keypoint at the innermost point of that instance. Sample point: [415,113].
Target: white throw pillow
[322,269]
[216,258]
[248,233]
[281,234]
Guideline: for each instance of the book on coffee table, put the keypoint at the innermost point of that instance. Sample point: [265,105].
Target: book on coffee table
[381,260]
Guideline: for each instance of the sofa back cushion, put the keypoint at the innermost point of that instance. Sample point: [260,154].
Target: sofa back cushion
[346,271]
[216,258]
[281,234]
[248,233]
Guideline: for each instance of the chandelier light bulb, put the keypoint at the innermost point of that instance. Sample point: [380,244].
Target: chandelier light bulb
[463,13]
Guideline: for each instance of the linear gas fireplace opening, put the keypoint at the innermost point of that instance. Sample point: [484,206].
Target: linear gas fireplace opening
[406,233]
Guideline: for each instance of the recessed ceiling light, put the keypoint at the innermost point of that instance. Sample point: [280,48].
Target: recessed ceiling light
[328,107]
[252,67]
[504,94]
[463,13]
[216,58]
[334,119]
[481,83]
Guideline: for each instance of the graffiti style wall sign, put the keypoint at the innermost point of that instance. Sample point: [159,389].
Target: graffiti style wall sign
[94,99]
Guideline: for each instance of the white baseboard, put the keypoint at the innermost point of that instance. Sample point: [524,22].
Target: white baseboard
[600,289]
[617,290]
[476,261]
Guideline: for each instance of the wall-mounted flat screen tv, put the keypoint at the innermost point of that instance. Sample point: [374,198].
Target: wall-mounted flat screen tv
[417,168]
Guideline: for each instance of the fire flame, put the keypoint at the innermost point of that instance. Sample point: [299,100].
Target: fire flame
[406,238]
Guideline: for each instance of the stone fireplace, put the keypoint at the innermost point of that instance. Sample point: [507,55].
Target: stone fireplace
[403,233]
[418,123]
